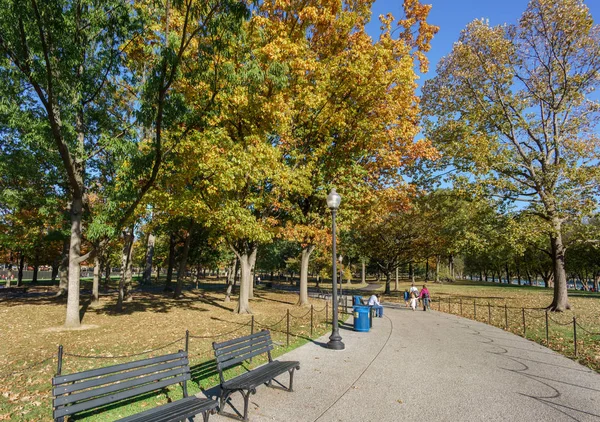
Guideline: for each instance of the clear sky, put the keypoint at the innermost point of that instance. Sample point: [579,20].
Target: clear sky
[453,15]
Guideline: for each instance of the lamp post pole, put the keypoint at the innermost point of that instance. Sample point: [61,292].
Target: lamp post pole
[335,340]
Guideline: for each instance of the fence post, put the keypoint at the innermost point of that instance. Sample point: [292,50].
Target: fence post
[60,357]
[547,337]
[524,326]
[506,316]
[311,319]
[474,310]
[575,334]
[449,305]
[187,340]
[461,312]
[489,314]
[288,328]
[326,312]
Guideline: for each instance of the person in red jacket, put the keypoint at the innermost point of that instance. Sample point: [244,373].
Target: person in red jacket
[424,296]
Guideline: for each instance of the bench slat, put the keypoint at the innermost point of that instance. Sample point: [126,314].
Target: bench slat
[252,342]
[232,361]
[61,379]
[175,411]
[263,333]
[82,385]
[131,384]
[91,404]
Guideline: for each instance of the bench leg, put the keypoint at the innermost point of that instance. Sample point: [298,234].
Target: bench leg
[224,397]
[246,401]
[291,371]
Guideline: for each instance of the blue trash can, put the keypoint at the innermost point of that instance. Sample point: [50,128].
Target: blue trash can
[357,300]
[361,318]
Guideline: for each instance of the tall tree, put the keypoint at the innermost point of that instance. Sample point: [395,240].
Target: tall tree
[511,106]
[353,107]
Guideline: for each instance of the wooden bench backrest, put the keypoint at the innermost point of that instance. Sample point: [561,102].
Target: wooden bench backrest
[233,352]
[87,390]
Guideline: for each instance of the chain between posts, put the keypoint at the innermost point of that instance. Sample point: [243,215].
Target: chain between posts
[524,313]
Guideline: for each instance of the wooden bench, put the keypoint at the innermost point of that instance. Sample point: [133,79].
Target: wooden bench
[95,388]
[234,352]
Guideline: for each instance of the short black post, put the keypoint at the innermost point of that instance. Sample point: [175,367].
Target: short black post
[547,337]
[575,335]
[489,314]
[60,357]
[187,340]
[461,312]
[474,310]
[524,326]
[288,327]
[312,310]
[506,316]
[449,305]
[326,312]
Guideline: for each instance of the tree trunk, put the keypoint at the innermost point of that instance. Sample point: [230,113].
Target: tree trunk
[96,282]
[21,265]
[183,261]
[171,264]
[198,272]
[36,267]
[397,271]
[108,270]
[54,273]
[388,278]
[507,273]
[72,317]
[158,274]
[427,269]
[596,282]
[125,265]
[252,262]
[243,254]
[437,269]
[560,301]
[304,261]
[243,303]
[231,279]
[147,278]
[363,276]
[451,266]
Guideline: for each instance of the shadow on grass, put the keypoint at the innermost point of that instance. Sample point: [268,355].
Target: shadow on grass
[123,403]
[204,371]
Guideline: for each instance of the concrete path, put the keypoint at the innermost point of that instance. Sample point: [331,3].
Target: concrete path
[429,366]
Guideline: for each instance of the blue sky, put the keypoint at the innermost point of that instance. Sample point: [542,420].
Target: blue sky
[453,15]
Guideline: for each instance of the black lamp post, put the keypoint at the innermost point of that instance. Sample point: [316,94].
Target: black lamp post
[335,340]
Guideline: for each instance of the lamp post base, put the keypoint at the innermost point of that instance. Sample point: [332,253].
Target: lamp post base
[335,342]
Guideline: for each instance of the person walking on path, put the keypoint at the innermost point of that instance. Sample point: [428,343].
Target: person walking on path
[413,301]
[414,289]
[374,302]
[424,296]
[406,298]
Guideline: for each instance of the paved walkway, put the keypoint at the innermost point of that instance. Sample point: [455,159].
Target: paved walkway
[429,366]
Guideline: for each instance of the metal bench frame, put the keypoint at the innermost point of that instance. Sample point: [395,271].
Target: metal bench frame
[91,389]
[234,352]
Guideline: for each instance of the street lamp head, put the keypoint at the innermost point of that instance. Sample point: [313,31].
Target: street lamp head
[333,200]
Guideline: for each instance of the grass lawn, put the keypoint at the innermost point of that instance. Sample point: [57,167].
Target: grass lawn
[504,306]
[31,332]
